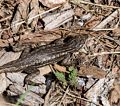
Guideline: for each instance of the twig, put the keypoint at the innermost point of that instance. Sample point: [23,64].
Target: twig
[104,53]
[38,15]
[64,96]
[3,19]
[82,99]
[105,29]
[112,39]
[84,2]
[106,20]
[46,103]
[43,13]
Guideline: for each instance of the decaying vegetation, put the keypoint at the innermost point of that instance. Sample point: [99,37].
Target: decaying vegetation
[97,80]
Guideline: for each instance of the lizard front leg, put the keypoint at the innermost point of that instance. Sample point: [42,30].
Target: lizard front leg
[32,73]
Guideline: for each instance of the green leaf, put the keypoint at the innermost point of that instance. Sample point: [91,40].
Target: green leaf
[72,77]
[61,77]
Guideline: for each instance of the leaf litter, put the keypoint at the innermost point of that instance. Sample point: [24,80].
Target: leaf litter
[40,22]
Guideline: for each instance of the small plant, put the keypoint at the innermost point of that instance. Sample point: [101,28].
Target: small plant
[72,76]
[67,78]
[23,96]
[61,77]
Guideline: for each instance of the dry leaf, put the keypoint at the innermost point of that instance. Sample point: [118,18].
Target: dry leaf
[9,56]
[58,19]
[26,12]
[116,31]
[44,70]
[20,15]
[31,98]
[52,3]
[60,68]
[5,58]
[115,92]
[93,21]
[92,71]
[115,96]
[35,10]
[3,83]
[100,90]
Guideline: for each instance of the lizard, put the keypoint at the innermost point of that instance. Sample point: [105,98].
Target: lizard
[42,56]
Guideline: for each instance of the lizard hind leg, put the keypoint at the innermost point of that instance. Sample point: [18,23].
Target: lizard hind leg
[32,73]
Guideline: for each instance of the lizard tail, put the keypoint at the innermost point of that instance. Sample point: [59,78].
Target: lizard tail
[7,69]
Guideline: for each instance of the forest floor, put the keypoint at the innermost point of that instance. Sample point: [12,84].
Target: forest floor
[93,81]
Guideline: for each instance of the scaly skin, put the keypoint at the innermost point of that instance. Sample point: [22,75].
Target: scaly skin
[44,55]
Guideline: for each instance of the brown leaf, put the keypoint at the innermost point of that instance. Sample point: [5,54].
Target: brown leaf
[116,32]
[21,13]
[28,37]
[60,18]
[44,70]
[35,10]
[60,68]
[93,21]
[52,3]
[92,71]
[115,94]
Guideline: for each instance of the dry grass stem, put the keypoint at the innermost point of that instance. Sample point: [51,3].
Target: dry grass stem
[104,6]
[104,53]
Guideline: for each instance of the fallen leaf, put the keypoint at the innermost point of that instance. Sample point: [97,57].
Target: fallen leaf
[114,97]
[60,68]
[44,70]
[52,3]
[92,71]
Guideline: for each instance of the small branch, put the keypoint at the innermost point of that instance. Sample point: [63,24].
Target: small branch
[106,21]
[83,2]
[64,96]
[104,53]
[83,99]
